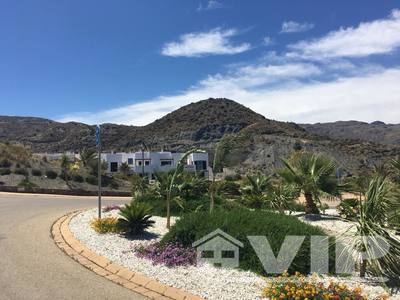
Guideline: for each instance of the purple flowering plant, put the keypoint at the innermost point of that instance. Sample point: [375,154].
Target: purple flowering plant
[170,255]
[111,207]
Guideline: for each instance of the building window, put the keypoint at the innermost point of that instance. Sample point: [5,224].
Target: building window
[139,162]
[201,165]
[113,166]
[166,162]
[130,161]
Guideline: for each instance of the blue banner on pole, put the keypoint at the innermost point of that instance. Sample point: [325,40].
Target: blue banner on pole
[98,135]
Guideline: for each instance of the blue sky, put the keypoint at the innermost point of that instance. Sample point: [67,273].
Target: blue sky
[130,62]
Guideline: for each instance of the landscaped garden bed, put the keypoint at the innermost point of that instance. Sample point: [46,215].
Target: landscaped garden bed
[204,280]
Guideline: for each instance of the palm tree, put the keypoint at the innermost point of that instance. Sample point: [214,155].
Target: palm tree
[87,155]
[221,150]
[256,184]
[375,210]
[313,174]
[255,190]
[140,184]
[167,184]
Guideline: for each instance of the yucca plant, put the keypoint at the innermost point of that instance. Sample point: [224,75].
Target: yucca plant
[375,211]
[281,196]
[135,218]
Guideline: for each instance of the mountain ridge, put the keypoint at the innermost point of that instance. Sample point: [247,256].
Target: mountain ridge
[202,124]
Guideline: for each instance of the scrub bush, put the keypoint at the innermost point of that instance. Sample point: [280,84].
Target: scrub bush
[36,172]
[21,171]
[51,174]
[5,171]
[241,223]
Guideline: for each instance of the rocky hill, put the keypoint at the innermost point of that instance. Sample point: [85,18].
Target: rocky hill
[260,142]
[377,131]
[198,123]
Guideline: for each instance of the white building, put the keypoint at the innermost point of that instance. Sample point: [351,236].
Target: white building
[153,162]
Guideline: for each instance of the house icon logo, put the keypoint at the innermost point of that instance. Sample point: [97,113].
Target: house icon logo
[219,249]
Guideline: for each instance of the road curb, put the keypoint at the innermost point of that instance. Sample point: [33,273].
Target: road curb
[103,267]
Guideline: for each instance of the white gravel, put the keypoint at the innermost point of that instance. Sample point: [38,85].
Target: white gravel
[205,280]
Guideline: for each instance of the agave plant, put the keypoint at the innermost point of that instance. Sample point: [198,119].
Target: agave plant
[135,218]
[372,233]
[313,175]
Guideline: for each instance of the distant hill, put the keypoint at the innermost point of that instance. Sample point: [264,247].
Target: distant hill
[377,131]
[200,123]
[261,143]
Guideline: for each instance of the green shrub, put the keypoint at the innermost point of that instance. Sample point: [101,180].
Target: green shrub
[135,218]
[5,171]
[105,225]
[241,223]
[25,183]
[91,180]
[296,206]
[64,176]
[78,178]
[36,172]
[51,174]
[229,188]
[114,185]
[349,208]
[21,171]
[234,177]
[177,209]
[5,163]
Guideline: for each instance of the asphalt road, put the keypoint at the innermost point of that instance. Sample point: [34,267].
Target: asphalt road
[31,265]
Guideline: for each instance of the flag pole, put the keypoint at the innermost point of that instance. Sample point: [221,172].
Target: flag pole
[99,168]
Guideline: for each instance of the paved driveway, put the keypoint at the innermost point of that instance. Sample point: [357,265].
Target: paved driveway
[31,266]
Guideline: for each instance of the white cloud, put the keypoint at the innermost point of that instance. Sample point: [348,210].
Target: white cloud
[376,37]
[212,4]
[267,41]
[215,41]
[364,97]
[289,87]
[292,26]
[256,76]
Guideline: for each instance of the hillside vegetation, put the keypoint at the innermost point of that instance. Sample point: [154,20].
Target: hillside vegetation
[202,124]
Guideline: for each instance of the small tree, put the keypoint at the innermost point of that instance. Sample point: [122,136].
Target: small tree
[140,185]
[172,182]
[64,165]
[221,150]
[87,156]
[255,190]
[124,169]
[313,175]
